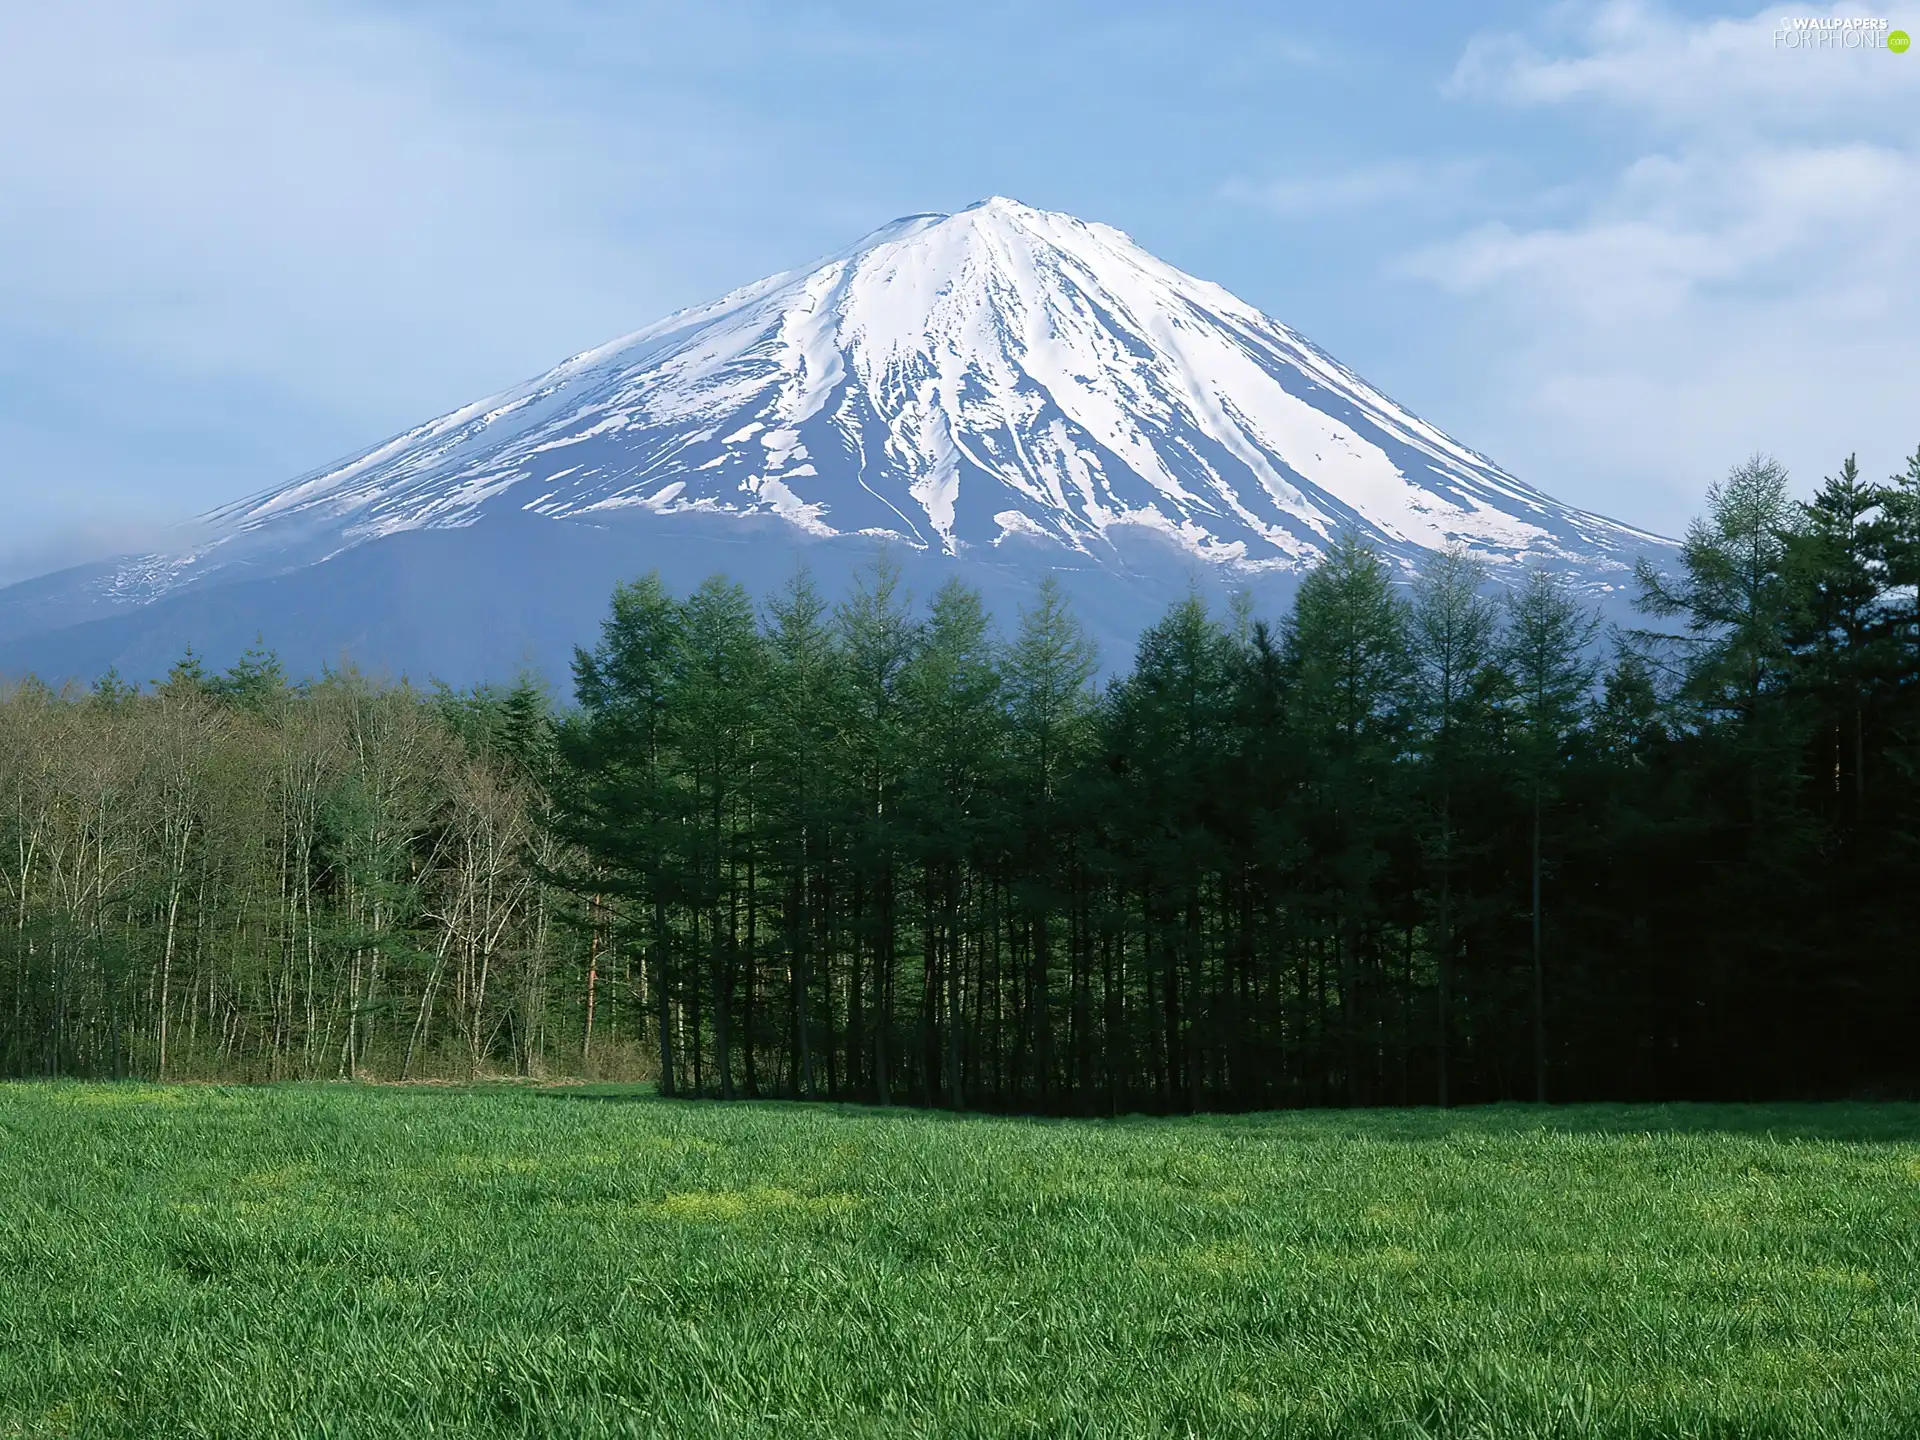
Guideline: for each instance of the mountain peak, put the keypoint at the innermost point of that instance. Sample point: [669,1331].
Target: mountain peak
[1002,207]
[996,215]
[952,382]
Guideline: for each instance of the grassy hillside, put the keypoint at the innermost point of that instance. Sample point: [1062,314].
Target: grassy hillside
[409,1262]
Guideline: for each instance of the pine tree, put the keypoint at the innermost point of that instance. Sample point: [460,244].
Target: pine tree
[1350,665]
[256,681]
[1050,718]
[1732,593]
[618,798]
[1834,596]
[805,701]
[1454,630]
[1263,778]
[950,691]
[1169,727]
[1747,747]
[1896,546]
[714,720]
[874,854]
[1547,657]
[878,637]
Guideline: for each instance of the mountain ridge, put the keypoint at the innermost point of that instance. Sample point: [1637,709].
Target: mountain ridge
[998,380]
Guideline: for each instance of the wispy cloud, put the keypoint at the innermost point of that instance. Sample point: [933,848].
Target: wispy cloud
[1678,227]
[1743,280]
[89,540]
[1718,73]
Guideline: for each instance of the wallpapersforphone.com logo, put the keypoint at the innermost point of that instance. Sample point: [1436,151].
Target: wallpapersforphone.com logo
[1840,32]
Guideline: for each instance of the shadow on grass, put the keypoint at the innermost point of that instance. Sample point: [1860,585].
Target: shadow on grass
[1882,1122]
[647,1093]
[607,1092]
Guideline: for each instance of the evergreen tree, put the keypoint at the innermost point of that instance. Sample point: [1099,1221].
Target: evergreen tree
[715,724]
[878,637]
[1169,728]
[1732,591]
[1049,736]
[871,853]
[1454,631]
[256,681]
[1350,668]
[1834,593]
[1735,667]
[1548,662]
[805,704]
[951,704]
[618,796]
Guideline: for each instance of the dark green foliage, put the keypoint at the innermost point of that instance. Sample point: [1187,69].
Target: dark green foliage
[1550,674]
[1402,850]
[1436,845]
[1456,739]
[256,681]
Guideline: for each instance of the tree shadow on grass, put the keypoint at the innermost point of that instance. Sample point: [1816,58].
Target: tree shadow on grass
[605,1092]
[647,1093]
[1877,1122]
[1874,1122]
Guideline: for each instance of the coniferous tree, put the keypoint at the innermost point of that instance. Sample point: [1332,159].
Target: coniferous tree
[1454,632]
[1168,730]
[950,691]
[878,637]
[714,717]
[1048,736]
[1547,660]
[804,703]
[1829,567]
[1350,665]
[1735,598]
[619,797]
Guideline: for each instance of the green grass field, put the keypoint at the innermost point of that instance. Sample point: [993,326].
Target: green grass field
[354,1262]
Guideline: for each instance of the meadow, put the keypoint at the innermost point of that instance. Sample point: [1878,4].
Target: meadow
[575,1261]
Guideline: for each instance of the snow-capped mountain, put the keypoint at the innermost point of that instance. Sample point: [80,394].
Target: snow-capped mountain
[1000,389]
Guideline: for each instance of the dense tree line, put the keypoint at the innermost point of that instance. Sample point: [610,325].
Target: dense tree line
[1414,843]
[1408,846]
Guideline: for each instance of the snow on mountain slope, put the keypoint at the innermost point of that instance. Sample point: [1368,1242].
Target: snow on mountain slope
[952,381]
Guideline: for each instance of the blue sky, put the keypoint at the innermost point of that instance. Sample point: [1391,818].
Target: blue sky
[1616,246]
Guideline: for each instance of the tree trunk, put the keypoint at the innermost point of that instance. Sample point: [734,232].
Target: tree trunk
[1539,972]
[166,957]
[1443,997]
[662,993]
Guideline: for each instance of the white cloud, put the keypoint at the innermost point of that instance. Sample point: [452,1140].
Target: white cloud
[1676,227]
[1743,280]
[1712,73]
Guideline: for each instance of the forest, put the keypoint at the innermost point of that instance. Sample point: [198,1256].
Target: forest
[1422,840]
